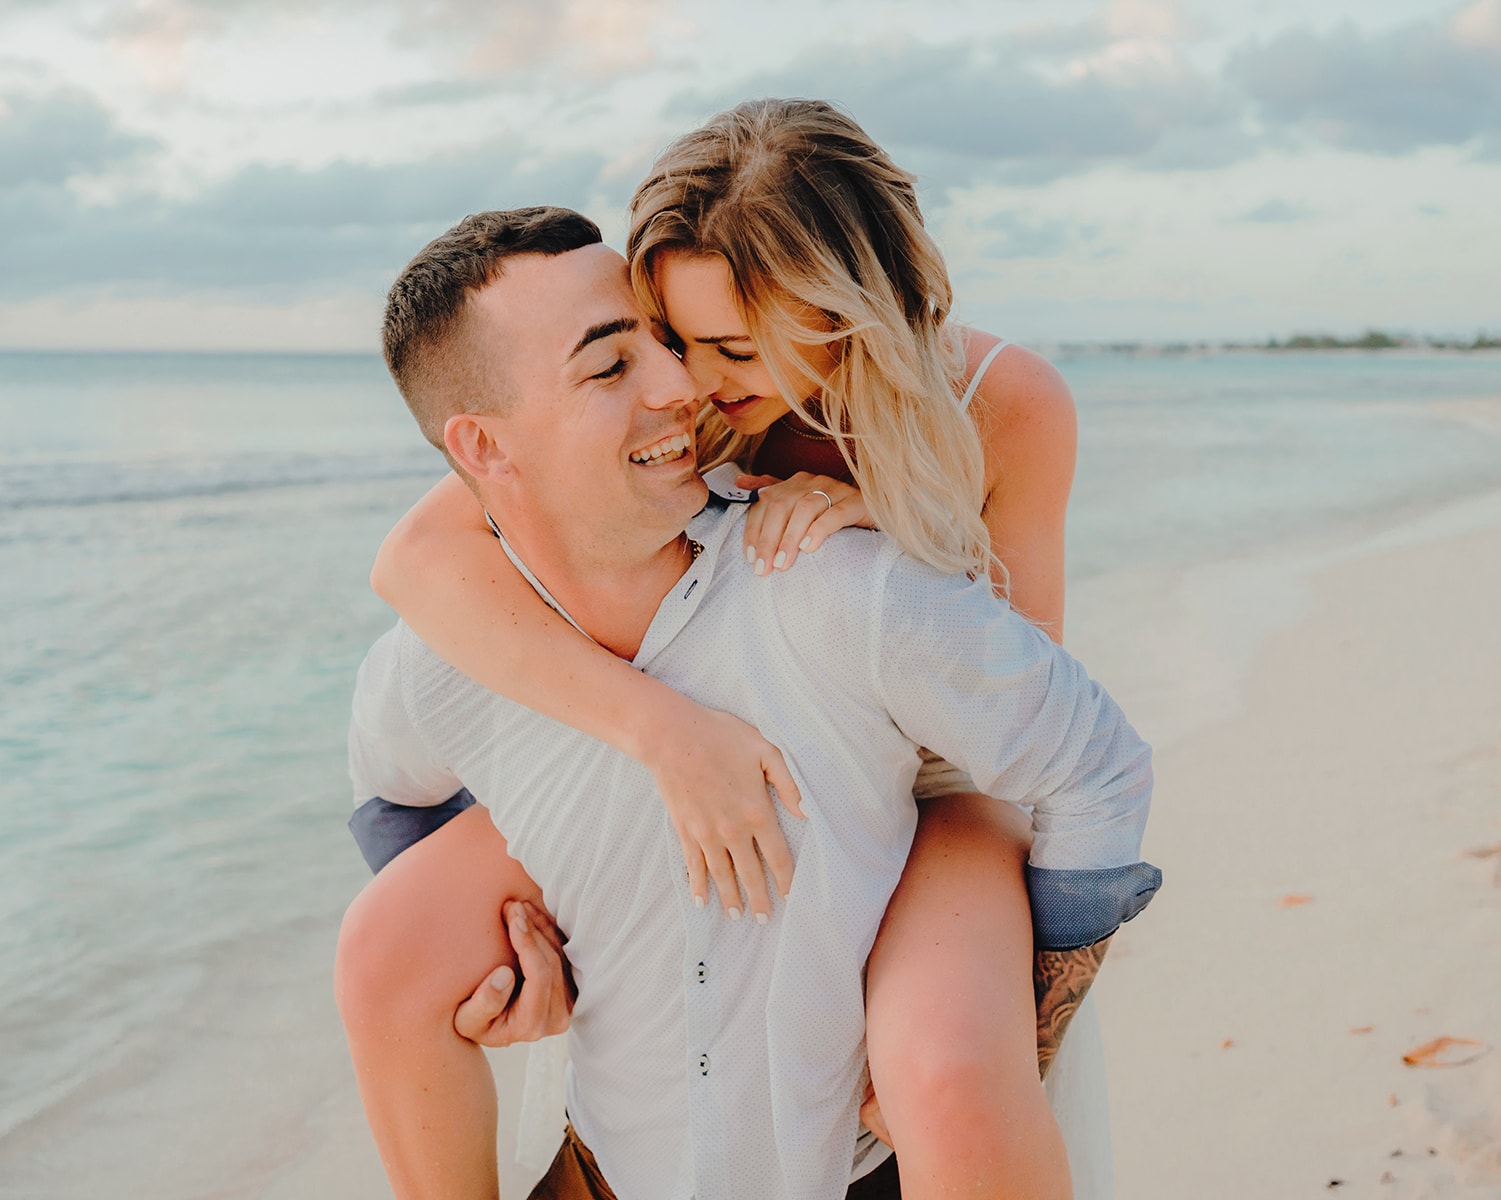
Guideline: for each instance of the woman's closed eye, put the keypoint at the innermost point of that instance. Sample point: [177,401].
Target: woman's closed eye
[737,358]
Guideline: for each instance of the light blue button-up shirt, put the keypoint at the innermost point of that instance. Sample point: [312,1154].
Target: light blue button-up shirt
[717,1059]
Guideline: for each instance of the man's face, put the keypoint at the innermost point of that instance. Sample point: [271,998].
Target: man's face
[600,432]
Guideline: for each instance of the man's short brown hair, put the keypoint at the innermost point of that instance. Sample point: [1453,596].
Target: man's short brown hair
[439,372]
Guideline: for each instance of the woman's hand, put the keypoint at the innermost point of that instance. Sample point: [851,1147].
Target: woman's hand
[796,515]
[713,771]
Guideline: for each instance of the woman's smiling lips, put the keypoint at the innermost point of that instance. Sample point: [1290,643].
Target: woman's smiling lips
[731,407]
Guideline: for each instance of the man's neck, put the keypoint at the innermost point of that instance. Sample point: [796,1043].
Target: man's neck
[611,593]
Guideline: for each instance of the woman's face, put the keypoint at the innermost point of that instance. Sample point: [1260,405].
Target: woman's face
[698,295]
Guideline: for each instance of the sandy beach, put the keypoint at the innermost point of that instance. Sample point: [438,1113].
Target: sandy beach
[1330,831]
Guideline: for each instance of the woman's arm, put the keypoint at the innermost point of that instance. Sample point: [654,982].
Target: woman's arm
[1027,422]
[1029,425]
[443,571]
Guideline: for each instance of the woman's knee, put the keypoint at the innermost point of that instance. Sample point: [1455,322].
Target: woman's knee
[422,934]
[959,1059]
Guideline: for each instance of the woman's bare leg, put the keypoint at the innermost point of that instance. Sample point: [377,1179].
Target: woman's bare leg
[951,1022]
[413,946]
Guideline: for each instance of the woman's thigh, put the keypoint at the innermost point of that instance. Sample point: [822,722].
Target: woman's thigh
[949,984]
[428,928]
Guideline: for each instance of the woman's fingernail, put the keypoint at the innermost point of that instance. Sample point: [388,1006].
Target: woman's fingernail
[734,913]
[518,918]
[750,554]
[760,566]
[698,902]
[780,560]
[762,918]
[805,543]
[501,979]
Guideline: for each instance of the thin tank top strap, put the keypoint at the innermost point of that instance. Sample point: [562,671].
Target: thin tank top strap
[974,382]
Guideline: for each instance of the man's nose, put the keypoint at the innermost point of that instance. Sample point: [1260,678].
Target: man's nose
[672,386]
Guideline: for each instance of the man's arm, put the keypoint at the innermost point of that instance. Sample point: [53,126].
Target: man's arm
[446,946]
[1061,978]
[964,675]
[1074,916]
[402,792]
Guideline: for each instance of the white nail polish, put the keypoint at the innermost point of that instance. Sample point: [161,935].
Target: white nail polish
[762,918]
[750,554]
[780,560]
[733,914]
[805,543]
[760,566]
[698,902]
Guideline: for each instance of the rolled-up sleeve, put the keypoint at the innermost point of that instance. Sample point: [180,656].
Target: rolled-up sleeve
[967,677]
[402,792]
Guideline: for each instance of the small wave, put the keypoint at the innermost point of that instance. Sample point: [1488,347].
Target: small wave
[79,484]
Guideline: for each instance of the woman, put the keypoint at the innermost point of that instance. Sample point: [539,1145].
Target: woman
[786,255]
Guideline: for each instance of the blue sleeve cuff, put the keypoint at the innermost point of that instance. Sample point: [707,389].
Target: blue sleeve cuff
[1071,909]
[382,830]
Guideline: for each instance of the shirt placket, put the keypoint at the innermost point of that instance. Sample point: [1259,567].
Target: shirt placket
[704,1008]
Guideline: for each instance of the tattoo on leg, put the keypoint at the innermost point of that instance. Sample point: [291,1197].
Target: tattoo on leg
[1060,979]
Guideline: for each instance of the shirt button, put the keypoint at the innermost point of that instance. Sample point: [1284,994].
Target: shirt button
[702,973]
[703,1064]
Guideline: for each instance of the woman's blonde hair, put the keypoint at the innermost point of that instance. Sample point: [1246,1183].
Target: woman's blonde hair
[816,221]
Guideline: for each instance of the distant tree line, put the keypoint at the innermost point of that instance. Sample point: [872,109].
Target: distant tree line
[1372,339]
[1376,339]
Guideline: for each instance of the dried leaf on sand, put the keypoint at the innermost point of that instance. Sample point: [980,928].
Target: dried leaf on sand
[1445,1052]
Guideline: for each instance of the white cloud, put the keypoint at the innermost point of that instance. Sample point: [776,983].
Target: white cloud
[1426,83]
[1478,25]
[1102,173]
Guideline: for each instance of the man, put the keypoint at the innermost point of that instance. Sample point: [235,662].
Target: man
[709,1059]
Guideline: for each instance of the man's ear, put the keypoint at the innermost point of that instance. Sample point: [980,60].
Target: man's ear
[471,440]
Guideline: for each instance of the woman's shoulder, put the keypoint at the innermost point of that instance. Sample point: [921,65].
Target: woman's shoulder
[1022,407]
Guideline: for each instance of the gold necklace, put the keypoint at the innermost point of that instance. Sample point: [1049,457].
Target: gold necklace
[800,428]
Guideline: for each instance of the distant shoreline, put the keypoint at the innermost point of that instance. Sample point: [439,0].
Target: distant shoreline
[1371,340]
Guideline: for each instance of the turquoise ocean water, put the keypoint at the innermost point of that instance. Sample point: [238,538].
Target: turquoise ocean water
[184,541]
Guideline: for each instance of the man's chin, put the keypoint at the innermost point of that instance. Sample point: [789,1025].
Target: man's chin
[669,504]
[684,502]
[692,496]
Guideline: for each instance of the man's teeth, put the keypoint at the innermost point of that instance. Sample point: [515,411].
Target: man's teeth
[664,451]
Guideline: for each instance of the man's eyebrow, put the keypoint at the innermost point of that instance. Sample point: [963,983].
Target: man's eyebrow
[603,330]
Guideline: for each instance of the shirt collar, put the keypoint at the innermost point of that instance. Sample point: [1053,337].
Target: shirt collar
[710,528]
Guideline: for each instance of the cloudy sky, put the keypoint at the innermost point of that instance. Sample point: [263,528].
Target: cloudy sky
[252,173]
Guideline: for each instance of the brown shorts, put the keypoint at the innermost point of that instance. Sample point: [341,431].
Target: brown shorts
[574,1175]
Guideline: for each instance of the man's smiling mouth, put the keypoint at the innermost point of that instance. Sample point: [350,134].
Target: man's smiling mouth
[667,450]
